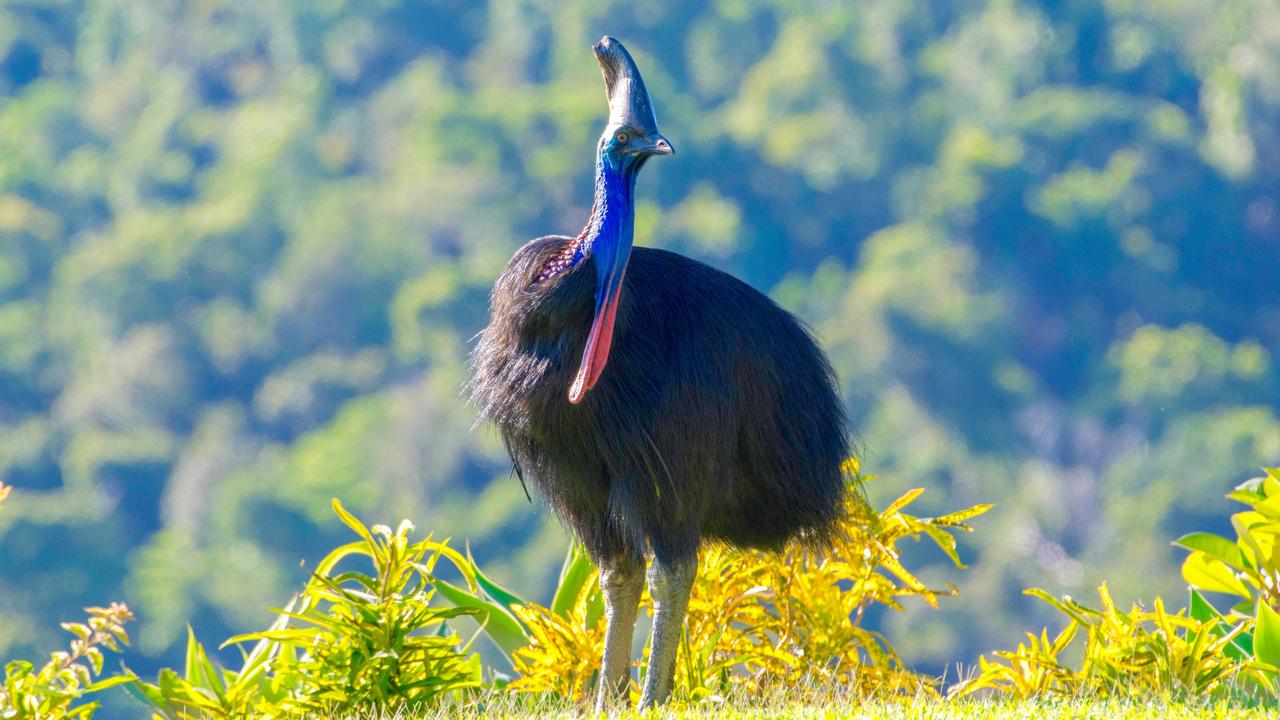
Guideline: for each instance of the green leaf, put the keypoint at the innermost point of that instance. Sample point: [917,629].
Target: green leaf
[499,624]
[105,683]
[264,650]
[474,669]
[1270,482]
[351,521]
[576,572]
[282,635]
[595,609]
[1200,609]
[149,694]
[907,498]
[1252,485]
[1266,635]
[199,670]
[945,542]
[1249,525]
[1066,606]
[80,630]
[191,669]
[491,588]
[1241,647]
[1215,546]
[956,519]
[338,554]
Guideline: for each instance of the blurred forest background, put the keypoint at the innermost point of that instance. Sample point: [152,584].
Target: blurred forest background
[244,248]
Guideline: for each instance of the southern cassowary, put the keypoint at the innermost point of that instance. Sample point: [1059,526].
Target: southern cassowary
[657,403]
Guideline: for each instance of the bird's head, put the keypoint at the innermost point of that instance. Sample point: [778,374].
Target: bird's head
[632,133]
[630,138]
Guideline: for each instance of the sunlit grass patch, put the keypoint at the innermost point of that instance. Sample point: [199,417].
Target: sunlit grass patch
[833,705]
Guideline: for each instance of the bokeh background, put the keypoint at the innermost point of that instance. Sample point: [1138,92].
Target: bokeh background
[244,248]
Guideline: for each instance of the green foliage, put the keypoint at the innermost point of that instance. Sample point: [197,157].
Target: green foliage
[1249,566]
[1137,654]
[1197,652]
[205,690]
[56,689]
[755,619]
[353,642]
[349,643]
[760,625]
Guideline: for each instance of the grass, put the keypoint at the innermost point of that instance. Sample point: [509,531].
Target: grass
[835,705]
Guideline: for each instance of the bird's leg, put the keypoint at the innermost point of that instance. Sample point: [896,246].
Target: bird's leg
[669,584]
[621,581]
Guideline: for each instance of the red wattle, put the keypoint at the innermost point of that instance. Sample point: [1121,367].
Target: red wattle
[596,353]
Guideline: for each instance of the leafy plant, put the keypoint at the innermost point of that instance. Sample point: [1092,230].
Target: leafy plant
[52,691]
[565,639]
[354,642]
[350,642]
[1247,568]
[1195,652]
[760,618]
[754,618]
[206,690]
[1138,653]
[553,648]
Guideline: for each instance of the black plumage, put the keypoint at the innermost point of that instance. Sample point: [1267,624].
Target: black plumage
[717,417]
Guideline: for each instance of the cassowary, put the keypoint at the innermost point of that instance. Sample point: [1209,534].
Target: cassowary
[655,402]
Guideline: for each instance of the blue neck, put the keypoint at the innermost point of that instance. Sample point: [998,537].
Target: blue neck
[612,224]
[611,227]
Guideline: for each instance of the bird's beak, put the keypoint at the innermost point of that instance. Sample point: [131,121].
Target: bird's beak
[660,146]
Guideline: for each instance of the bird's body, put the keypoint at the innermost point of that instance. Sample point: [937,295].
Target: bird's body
[657,403]
[716,420]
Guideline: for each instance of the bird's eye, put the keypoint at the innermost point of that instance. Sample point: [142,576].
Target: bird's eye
[622,137]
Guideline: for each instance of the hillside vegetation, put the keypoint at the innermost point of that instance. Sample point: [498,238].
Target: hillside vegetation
[244,247]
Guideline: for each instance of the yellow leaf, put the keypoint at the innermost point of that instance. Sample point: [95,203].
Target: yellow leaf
[1213,576]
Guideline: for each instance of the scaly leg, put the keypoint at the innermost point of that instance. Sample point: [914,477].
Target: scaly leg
[669,585]
[621,580]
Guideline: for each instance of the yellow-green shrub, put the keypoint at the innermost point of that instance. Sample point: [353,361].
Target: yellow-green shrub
[55,690]
[754,618]
[1195,652]
[1138,653]
[1247,568]
[350,642]
[353,641]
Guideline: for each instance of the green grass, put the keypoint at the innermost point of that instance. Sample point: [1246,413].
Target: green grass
[835,706]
